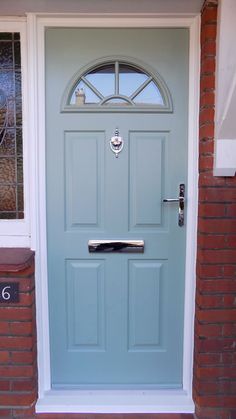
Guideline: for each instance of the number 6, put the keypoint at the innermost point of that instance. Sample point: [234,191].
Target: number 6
[5,294]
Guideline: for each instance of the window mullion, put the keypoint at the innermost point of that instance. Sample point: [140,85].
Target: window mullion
[140,88]
[92,87]
[116,77]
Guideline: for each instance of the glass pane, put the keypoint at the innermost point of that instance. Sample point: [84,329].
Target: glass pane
[6,54]
[5,36]
[117,101]
[7,81]
[20,198]
[149,95]
[8,215]
[83,94]
[3,99]
[103,78]
[7,170]
[19,145]
[11,152]
[7,198]
[130,78]
[17,53]
[8,145]
[20,170]
[11,112]
[18,97]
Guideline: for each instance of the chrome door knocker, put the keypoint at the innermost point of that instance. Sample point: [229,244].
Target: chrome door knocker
[116,143]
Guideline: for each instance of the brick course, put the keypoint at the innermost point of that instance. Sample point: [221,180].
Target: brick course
[18,369]
[214,383]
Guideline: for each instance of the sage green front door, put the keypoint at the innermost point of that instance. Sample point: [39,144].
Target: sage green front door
[116,307]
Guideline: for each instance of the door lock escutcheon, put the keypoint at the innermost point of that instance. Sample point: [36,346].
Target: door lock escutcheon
[181,201]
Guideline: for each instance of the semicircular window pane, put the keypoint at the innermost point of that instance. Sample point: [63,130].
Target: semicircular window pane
[118,83]
[149,95]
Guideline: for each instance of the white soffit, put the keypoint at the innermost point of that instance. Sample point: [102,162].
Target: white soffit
[225,121]
[20,7]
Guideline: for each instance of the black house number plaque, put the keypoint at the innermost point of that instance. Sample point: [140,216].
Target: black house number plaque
[9,292]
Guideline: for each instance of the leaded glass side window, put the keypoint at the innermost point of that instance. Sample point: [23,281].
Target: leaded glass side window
[117,84]
[11,153]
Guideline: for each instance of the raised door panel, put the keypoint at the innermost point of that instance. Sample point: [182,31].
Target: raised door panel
[147,177]
[85,305]
[84,179]
[145,296]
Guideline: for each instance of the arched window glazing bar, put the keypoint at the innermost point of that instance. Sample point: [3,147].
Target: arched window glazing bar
[116,84]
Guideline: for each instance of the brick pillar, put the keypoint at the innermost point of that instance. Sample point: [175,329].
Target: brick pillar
[214,385]
[18,367]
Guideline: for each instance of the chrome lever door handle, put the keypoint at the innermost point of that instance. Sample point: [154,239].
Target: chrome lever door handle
[181,201]
[171,200]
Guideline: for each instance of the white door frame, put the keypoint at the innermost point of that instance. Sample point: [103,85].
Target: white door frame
[158,401]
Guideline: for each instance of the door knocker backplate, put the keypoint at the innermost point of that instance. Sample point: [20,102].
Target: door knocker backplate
[116,143]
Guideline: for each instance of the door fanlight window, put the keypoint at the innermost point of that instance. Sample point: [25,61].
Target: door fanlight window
[117,85]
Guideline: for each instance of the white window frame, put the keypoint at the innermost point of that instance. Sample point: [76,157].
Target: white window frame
[111,401]
[16,233]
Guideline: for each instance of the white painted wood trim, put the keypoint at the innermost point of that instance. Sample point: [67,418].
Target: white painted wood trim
[38,189]
[225,157]
[16,233]
[192,202]
[225,131]
[107,401]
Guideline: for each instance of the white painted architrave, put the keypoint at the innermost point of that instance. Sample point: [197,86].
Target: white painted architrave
[16,233]
[225,131]
[225,157]
[111,401]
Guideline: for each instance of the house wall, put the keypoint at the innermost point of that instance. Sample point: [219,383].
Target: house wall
[225,127]
[18,352]
[214,382]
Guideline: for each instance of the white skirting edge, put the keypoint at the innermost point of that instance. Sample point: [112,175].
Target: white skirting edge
[115,401]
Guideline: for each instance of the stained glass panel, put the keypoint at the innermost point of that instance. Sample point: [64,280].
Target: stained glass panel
[11,151]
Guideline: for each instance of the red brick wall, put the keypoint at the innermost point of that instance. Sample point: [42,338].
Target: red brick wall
[18,369]
[215,322]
